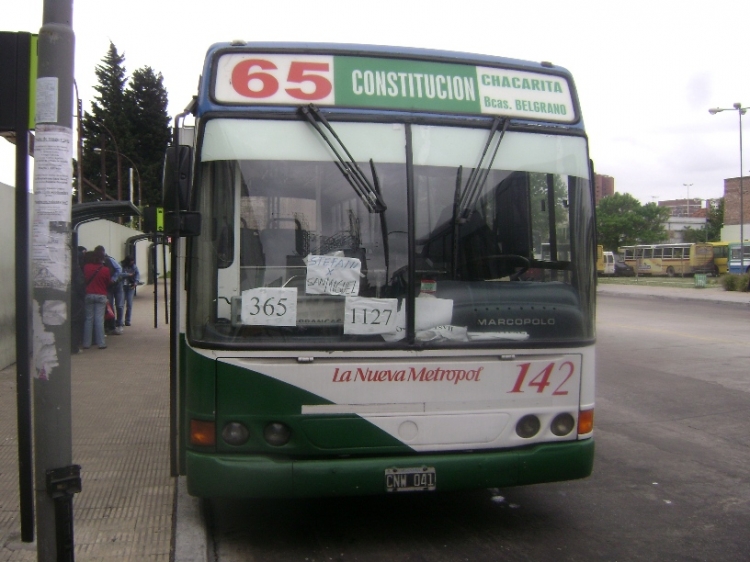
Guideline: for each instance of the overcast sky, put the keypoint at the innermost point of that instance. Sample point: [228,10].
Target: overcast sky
[646,71]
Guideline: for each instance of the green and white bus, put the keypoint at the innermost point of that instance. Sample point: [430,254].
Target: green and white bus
[364,305]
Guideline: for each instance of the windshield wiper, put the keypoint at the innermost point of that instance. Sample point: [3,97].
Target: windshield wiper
[369,194]
[478,175]
[383,223]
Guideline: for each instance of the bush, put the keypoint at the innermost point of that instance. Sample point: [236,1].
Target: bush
[734,282]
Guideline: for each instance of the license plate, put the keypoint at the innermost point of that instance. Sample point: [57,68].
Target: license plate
[415,479]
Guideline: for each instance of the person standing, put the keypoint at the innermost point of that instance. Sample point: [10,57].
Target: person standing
[116,294]
[131,278]
[97,278]
[77,300]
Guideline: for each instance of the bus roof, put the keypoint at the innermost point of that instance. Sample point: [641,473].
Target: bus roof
[377,77]
[355,49]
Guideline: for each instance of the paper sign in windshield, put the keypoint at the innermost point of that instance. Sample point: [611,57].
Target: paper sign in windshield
[364,316]
[430,313]
[269,306]
[333,275]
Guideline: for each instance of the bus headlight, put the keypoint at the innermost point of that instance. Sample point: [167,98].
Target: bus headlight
[277,434]
[562,424]
[528,426]
[235,433]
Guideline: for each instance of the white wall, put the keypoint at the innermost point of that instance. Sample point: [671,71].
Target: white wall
[731,232]
[7,276]
[112,236]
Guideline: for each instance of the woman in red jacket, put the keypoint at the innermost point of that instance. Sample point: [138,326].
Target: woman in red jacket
[97,279]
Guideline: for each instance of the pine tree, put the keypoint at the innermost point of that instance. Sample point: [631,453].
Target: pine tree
[129,118]
[106,127]
[146,103]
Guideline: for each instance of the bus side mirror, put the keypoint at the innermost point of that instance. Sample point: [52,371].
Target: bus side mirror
[182,223]
[178,169]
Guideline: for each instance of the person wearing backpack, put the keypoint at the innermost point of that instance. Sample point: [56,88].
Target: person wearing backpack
[97,278]
[131,279]
[116,295]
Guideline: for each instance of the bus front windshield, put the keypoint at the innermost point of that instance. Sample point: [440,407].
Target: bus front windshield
[431,244]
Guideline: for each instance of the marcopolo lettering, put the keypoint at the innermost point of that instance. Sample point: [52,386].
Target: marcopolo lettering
[516,322]
[412,374]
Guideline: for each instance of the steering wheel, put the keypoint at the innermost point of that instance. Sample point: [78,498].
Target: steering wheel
[517,258]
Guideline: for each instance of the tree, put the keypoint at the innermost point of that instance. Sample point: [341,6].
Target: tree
[711,232]
[131,121]
[106,128]
[621,220]
[146,103]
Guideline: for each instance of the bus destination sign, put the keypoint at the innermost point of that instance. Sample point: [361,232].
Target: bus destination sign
[397,84]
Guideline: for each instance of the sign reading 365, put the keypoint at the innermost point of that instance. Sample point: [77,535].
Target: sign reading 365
[273,78]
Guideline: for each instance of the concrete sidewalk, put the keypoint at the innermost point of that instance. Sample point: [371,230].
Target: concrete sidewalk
[120,407]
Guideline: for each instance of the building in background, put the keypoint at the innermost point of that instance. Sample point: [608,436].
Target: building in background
[731,229]
[683,214]
[604,186]
[692,207]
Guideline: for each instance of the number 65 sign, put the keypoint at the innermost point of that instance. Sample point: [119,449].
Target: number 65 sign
[272,78]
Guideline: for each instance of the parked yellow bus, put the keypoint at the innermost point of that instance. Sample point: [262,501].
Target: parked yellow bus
[721,255]
[599,259]
[670,259]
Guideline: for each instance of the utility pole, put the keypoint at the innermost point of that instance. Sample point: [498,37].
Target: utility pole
[56,478]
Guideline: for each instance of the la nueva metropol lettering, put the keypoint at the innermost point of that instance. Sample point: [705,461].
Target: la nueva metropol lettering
[412,374]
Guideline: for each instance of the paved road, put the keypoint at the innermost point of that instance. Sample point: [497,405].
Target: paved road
[671,478]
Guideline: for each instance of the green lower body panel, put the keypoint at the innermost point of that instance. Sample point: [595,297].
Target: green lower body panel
[238,476]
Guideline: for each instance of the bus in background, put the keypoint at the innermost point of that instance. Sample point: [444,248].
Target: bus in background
[599,259]
[735,264]
[670,259]
[351,314]
[721,253]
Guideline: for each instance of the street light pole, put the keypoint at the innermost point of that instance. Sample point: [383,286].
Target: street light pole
[687,201]
[98,150]
[137,173]
[117,154]
[740,111]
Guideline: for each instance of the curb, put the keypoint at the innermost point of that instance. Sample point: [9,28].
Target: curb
[190,531]
[734,299]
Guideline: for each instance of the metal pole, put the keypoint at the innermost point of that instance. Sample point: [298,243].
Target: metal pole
[79,152]
[164,263]
[154,256]
[23,299]
[742,202]
[56,478]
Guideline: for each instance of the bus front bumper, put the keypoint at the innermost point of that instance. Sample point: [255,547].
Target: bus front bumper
[255,476]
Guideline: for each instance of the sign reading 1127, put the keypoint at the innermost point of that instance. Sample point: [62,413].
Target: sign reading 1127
[391,84]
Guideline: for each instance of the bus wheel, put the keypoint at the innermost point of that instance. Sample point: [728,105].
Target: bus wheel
[670,271]
[715,272]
